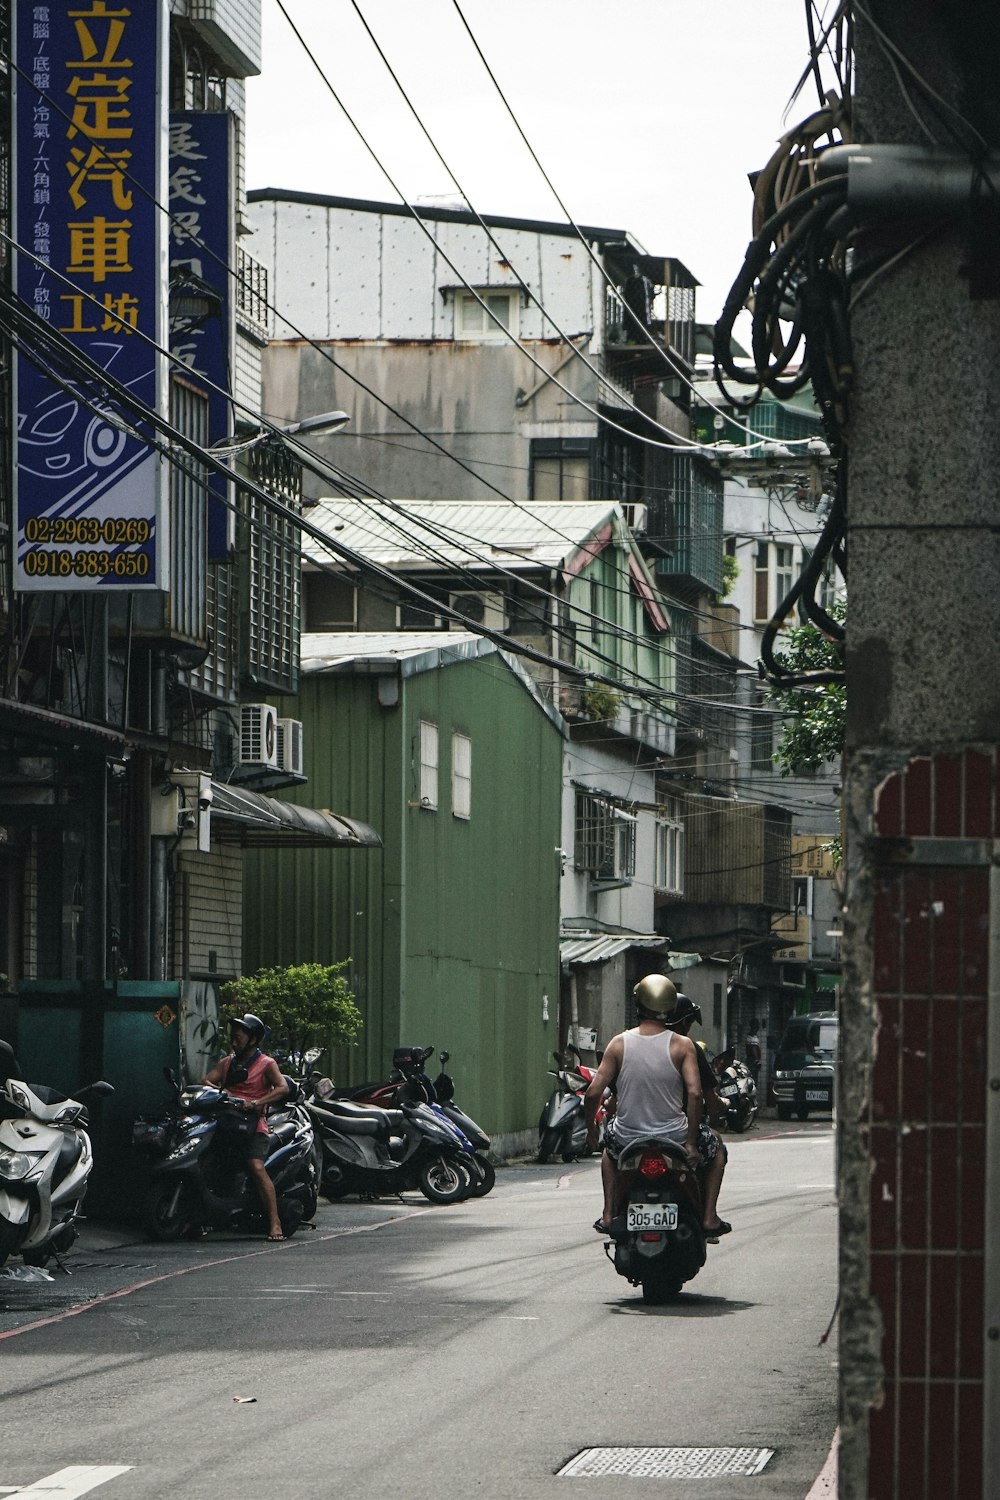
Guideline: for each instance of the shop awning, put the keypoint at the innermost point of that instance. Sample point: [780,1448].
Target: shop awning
[601,947]
[265,822]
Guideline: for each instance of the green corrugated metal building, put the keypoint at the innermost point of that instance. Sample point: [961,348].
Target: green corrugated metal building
[446,748]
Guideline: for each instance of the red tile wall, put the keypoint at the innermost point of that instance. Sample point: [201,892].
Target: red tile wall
[927,1138]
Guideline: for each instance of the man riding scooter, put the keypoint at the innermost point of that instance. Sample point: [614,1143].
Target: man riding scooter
[256,1080]
[654,1070]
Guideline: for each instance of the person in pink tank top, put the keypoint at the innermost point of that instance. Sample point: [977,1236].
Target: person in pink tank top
[253,1077]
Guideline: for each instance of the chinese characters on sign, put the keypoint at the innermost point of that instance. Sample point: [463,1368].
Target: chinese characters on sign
[201,252]
[89,101]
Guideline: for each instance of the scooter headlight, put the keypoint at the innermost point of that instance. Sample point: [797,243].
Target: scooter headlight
[15,1164]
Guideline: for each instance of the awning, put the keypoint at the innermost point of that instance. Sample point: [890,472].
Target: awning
[265,822]
[601,947]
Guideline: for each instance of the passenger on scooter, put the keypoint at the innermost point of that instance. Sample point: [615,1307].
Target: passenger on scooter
[650,1068]
[711,1149]
[256,1080]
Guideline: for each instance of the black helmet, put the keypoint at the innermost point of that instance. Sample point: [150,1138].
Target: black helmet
[251,1024]
[684,1010]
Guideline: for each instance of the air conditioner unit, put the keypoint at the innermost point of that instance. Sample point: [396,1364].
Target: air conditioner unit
[290,746]
[635,517]
[478,609]
[258,735]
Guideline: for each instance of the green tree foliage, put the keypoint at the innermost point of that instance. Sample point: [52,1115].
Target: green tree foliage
[813,717]
[307,1006]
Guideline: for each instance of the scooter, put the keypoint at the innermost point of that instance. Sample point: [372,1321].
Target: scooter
[45,1163]
[197,1154]
[657,1241]
[408,1082]
[374,1151]
[737,1088]
[562,1126]
[444,1093]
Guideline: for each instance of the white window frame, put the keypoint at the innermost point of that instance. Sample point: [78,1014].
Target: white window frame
[783,563]
[669,847]
[461,775]
[428,763]
[472,322]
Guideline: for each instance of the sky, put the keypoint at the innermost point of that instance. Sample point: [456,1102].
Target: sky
[647,115]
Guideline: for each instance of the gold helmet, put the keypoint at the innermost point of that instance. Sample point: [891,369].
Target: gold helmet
[656,994]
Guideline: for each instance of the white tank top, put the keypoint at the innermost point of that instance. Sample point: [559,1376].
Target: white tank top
[650,1088]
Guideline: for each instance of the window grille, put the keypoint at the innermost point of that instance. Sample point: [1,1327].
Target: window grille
[604,842]
[271,575]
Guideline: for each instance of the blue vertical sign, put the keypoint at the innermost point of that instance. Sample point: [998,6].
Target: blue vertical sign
[202,235]
[90,176]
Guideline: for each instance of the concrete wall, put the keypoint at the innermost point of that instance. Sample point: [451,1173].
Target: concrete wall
[923,713]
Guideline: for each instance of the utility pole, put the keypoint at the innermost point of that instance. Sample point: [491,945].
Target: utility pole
[920,1107]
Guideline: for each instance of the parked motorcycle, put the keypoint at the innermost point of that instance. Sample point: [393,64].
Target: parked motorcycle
[562,1126]
[197,1153]
[372,1150]
[444,1094]
[657,1242]
[45,1163]
[737,1088]
[408,1081]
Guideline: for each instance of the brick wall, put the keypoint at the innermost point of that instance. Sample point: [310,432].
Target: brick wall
[926,1130]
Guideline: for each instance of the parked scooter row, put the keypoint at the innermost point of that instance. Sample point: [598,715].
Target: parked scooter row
[406,1132]
[737,1088]
[45,1163]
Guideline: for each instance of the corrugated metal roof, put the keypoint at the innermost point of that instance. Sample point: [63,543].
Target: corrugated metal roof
[325,651]
[410,652]
[600,948]
[477,535]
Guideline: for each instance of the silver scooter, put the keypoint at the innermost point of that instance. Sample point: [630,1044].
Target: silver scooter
[45,1163]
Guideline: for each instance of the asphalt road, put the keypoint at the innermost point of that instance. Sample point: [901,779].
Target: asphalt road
[403,1348]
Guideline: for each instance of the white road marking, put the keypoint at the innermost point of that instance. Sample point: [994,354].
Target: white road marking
[78,1479]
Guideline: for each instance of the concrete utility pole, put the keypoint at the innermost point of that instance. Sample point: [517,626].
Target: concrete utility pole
[920,1133]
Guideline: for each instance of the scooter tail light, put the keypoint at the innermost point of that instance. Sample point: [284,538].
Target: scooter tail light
[654,1165]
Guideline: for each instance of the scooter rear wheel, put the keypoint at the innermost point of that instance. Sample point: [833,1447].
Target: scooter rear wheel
[480,1189]
[659,1287]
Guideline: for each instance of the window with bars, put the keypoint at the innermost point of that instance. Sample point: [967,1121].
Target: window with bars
[604,839]
[271,603]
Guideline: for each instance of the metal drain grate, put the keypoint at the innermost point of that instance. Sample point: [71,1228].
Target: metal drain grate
[665,1463]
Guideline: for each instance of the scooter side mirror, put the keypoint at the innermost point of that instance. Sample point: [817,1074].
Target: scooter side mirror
[444,1057]
[102,1089]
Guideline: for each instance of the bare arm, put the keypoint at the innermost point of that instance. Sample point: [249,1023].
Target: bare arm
[277,1089]
[214,1074]
[692,1083]
[602,1079]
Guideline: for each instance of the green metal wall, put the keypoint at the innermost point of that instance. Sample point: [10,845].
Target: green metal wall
[452,927]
